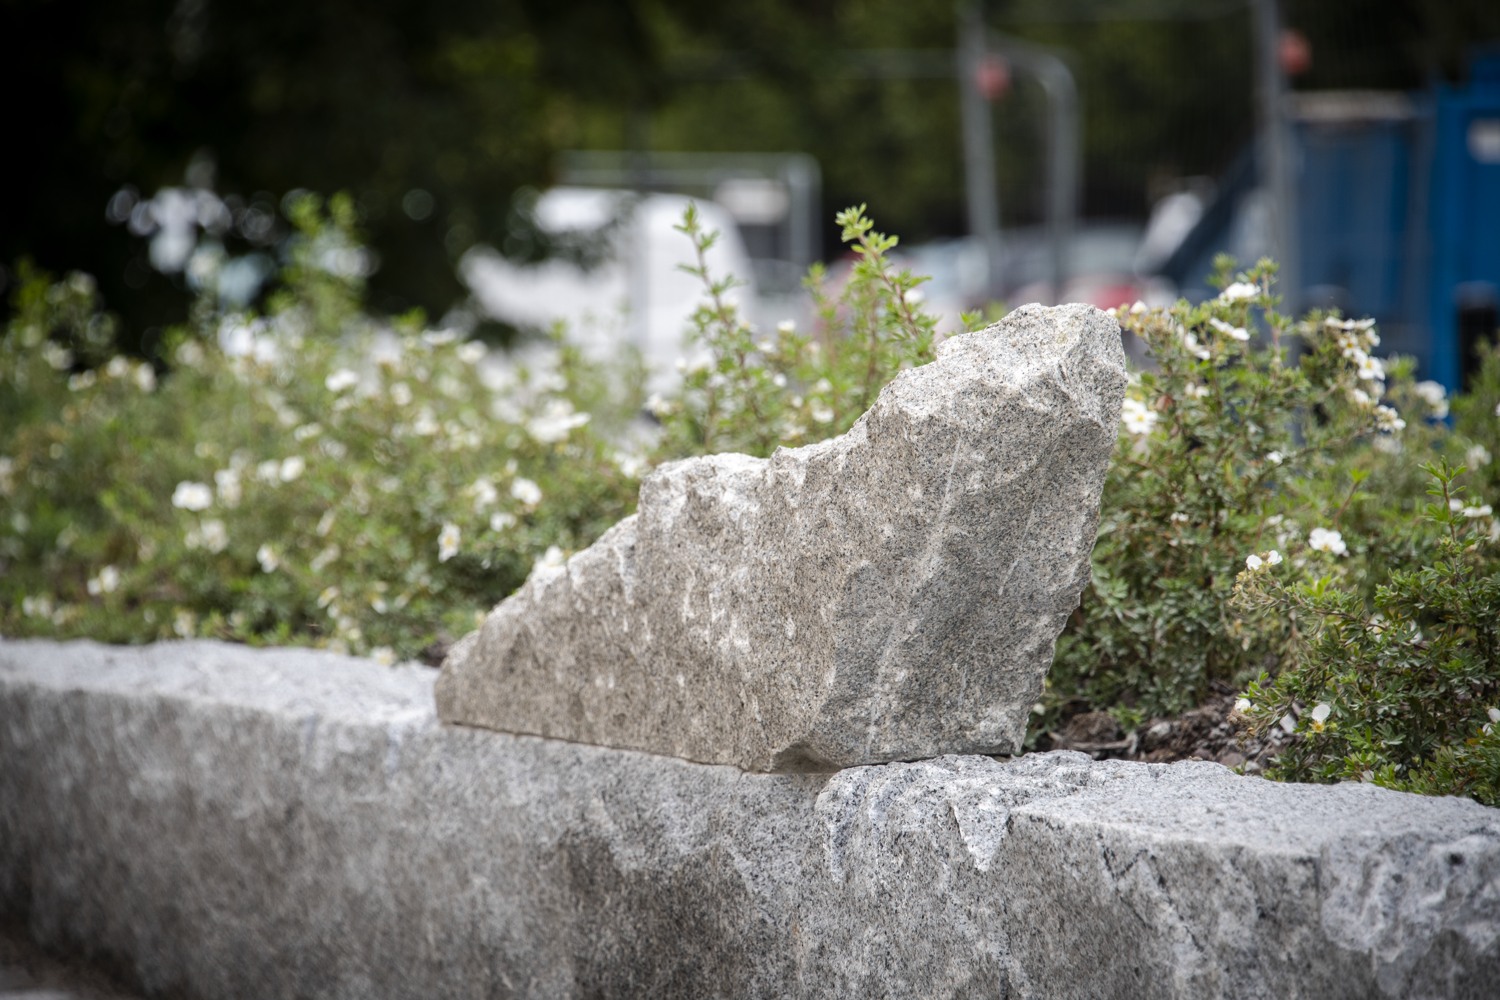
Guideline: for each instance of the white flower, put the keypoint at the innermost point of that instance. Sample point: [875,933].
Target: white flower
[1191,345]
[1239,292]
[185,623]
[227,482]
[1360,398]
[1288,724]
[1476,457]
[106,582]
[36,607]
[553,558]
[1483,510]
[821,413]
[500,521]
[268,559]
[787,326]
[1137,308]
[1388,419]
[1262,560]
[778,380]
[401,394]
[484,493]
[471,352]
[383,655]
[192,496]
[1434,395]
[1319,715]
[324,559]
[1371,369]
[58,356]
[81,381]
[526,491]
[1178,517]
[555,422]
[437,338]
[341,379]
[657,406]
[190,354]
[448,540]
[631,465]
[1137,418]
[291,468]
[1235,332]
[1455,504]
[1275,457]
[328,596]
[145,377]
[210,535]
[1242,705]
[1327,540]
[1194,390]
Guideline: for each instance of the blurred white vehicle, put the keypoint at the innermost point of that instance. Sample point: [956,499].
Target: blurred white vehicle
[639,295]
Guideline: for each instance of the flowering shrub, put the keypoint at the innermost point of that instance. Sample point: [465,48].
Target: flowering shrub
[1404,690]
[303,475]
[1232,456]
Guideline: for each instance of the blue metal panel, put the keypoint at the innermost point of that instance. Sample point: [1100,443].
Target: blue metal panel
[1465,214]
[1353,191]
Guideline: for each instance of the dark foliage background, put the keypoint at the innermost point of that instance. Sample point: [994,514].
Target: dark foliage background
[469,102]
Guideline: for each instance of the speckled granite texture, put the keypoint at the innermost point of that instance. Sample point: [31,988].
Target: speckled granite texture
[219,822]
[891,594]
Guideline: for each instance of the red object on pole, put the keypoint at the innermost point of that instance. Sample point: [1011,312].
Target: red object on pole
[1294,52]
[992,77]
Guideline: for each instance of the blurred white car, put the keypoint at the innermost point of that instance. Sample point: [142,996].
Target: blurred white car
[638,295]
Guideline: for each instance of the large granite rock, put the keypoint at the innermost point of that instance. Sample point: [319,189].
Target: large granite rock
[218,822]
[891,594]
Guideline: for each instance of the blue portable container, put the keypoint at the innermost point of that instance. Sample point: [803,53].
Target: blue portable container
[1398,216]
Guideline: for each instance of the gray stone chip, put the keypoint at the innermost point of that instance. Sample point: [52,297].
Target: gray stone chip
[894,593]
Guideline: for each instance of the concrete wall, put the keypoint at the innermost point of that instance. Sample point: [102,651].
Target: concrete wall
[222,822]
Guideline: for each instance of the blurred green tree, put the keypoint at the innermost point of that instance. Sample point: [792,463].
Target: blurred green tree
[433,114]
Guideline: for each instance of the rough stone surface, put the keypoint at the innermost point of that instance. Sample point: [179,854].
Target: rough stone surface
[218,822]
[891,594]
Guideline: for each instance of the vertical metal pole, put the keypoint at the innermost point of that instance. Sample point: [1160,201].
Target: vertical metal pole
[804,182]
[1276,170]
[638,267]
[1062,164]
[1063,143]
[980,189]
